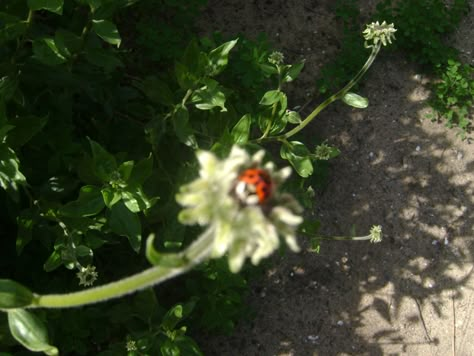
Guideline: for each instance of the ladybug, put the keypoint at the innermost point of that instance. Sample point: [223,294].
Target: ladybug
[254,186]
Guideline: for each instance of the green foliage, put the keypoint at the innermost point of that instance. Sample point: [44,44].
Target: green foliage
[165,27]
[423,26]
[352,53]
[94,145]
[454,95]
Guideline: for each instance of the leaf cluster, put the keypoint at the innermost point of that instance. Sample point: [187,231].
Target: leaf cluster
[454,95]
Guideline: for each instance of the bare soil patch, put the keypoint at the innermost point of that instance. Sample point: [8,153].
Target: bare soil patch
[412,294]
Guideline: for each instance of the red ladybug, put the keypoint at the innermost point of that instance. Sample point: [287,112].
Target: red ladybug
[254,186]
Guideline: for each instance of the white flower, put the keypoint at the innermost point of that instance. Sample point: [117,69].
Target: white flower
[379,32]
[244,219]
[87,275]
[376,234]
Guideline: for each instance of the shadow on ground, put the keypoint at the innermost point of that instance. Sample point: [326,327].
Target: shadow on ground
[413,177]
[412,293]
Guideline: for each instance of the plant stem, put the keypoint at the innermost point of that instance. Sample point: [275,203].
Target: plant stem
[334,97]
[193,255]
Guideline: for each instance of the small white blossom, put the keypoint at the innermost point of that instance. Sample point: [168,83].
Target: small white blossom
[241,225]
[376,33]
[376,234]
[87,276]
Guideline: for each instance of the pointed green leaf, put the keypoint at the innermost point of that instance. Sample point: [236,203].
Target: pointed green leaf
[107,31]
[209,96]
[218,57]
[103,58]
[125,223]
[156,90]
[11,27]
[105,164]
[46,51]
[355,100]
[54,261]
[182,127]
[271,97]
[25,222]
[10,175]
[14,295]
[25,128]
[125,169]
[89,203]
[291,72]
[241,131]
[55,6]
[298,156]
[130,202]
[141,171]
[292,117]
[30,331]
[110,196]
[67,43]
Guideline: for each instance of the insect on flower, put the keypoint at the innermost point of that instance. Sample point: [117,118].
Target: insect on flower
[254,186]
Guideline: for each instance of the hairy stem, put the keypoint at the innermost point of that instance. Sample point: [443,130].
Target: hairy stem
[193,255]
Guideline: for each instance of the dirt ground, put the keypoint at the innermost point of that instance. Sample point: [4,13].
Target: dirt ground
[412,294]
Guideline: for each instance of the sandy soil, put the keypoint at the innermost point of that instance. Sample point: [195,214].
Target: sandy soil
[412,294]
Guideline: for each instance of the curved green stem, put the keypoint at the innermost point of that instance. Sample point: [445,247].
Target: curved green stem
[193,255]
[334,97]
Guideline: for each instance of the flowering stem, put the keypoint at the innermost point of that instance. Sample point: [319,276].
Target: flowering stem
[193,255]
[334,97]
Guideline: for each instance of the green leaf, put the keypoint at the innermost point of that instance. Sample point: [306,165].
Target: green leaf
[54,261]
[30,331]
[209,96]
[46,51]
[89,203]
[185,78]
[125,223]
[241,131]
[84,251]
[130,202]
[176,314]
[125,170]
[103,58]
[292,117]
[182,127]
[141,171]
[8,86]
[25,128]
[11,27]
[271,97]
[355,100]
[93,4]
[25,222]
[10,175]
[104,163]
[14,295]
[110,196]
[156,90]
[67,43]
[291,72]
[298,156]
[107,31]
[55,6]
[218,57]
